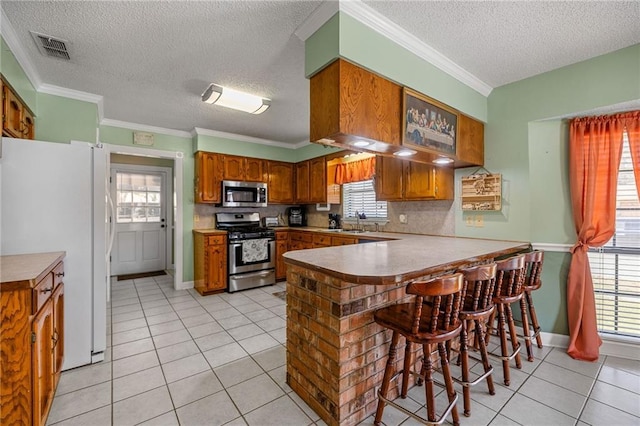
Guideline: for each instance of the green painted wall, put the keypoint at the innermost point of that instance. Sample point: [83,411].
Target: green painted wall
[529,148]
[124,137]
[14,74]
[62,119]
[314,150]
[369,49]
[247,149]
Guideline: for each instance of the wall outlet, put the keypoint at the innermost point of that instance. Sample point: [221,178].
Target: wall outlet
[479,221]
[468,220]
[403,218]
[196,218]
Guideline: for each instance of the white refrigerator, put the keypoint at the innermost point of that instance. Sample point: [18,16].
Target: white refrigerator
[53,198]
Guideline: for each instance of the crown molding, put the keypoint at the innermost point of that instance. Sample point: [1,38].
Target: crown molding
[11,38]
[397,34]
[78,95]
[301,144]
[382,25]
[197,131]
[145,128]
[317,19]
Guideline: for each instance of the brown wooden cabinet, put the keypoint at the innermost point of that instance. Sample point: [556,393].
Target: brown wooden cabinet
[208,177]
[405,180]
[32,330]
[210,262]
[17,119]
[282,246]
[280,185]
[300,240]
[470,143]
[311,181]
[244,169]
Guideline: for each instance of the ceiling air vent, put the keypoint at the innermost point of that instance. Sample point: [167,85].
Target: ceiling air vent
[51,46]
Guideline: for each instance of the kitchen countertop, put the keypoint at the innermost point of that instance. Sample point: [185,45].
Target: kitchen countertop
[26,270]
[400,257]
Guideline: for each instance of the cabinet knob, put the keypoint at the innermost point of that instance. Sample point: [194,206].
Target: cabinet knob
[59,274]
[47,290]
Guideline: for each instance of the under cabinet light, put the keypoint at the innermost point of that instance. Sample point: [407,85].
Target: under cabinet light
[443,160]
[405,153]
[230,98]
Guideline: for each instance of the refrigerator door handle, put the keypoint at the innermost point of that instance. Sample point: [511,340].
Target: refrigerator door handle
[112,224]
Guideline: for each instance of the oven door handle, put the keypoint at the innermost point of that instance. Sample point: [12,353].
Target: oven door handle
[254,274]
[240,243]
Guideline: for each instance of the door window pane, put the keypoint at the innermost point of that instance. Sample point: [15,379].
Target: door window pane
[138,197]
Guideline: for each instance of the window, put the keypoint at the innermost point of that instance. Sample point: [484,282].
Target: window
[138,197]
[361,197]
[615,267]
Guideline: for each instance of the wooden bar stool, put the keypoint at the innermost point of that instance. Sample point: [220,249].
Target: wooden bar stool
[432,319]
[532,282]
[477,307]
[509,289]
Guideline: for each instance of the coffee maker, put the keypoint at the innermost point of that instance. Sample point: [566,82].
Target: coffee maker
[297,216]
[334,221]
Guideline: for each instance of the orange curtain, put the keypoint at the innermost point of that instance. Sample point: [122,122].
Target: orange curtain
[633,131]
[595,149]
[356,171]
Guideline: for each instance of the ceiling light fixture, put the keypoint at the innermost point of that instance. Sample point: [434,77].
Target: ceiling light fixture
[443,160]
[235,99]
[405,153]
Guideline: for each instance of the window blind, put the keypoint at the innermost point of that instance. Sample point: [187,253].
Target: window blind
[361,197]
[615,267]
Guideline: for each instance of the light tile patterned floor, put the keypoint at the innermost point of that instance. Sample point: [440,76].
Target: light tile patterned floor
[175,357]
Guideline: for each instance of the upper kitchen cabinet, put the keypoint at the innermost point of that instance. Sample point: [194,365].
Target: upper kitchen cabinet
[311,181]
[470,143]
[244,169]
[350,104]
[17,119]
[280,188]
[402,180]
[208,177]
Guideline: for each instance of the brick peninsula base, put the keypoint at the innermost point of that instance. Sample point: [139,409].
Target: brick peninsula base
[336,353]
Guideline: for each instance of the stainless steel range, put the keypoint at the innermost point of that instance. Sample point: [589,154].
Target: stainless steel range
[251,251]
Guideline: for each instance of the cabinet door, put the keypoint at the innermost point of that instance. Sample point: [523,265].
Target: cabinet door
[445,177]
[234,168]
[281,267]
[12,124]
[470,143]
[217,268]
[255,170]
[388,180]
[208,177]
[28,125]
[318,180]
[42,363]
[302,182]
[419,181]
[58,332]
[280,183]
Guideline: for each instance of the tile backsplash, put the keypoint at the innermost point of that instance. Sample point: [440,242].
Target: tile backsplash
[423,217]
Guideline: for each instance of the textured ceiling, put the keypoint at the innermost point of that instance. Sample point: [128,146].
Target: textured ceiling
[152,60]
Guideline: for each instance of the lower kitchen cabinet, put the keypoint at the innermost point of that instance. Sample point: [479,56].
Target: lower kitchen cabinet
[210,262]
[282,246]
[32,330]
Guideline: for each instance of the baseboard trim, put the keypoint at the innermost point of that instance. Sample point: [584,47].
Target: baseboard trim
[620,349]
[185,285]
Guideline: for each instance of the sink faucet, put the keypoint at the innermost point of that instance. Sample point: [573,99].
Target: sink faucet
[357,220]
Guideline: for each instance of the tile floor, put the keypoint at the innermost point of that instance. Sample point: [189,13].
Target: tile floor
[175,357]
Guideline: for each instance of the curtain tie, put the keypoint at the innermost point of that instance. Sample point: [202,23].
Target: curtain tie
[579,246]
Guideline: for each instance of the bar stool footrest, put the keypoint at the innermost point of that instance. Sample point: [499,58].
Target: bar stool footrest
[416,417]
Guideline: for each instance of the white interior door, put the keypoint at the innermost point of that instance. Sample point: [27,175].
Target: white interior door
[140,196]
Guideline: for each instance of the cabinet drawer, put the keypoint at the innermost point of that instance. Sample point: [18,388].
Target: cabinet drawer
[42,292]
[306,237]
[58,274]
[282,235]
[342,241]
[321,239]
[215,239]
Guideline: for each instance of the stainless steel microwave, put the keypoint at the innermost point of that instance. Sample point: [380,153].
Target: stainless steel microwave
[244,194]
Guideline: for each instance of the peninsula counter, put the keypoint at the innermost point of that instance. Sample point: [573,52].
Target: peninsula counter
[336,353]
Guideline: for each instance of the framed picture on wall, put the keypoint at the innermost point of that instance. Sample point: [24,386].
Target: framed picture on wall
[428,125]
